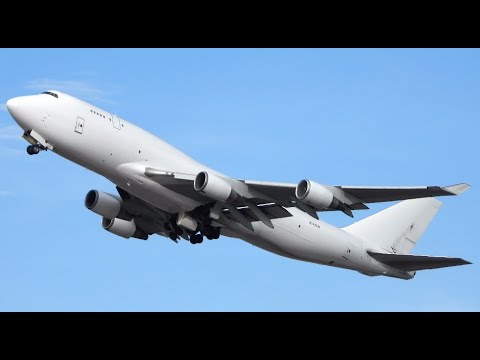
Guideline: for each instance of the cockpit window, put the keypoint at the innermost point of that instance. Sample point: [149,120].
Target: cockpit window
[50,93]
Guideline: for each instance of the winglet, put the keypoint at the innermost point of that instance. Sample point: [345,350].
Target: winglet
[457,189]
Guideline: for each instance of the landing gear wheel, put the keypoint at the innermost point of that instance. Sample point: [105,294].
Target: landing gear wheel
[213,234]
[33,149]
[196,239]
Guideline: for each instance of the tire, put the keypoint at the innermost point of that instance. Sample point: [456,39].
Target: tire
[196,239]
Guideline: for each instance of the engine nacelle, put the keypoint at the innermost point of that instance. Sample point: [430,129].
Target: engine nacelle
[106,205]
[213,186]
[123,228]
[315,195]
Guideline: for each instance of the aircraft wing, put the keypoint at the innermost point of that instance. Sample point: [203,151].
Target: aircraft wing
[362,194]
[352,197]
[253,194]
[372,194]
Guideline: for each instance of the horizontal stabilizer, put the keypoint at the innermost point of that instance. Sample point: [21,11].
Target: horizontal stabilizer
[417,262]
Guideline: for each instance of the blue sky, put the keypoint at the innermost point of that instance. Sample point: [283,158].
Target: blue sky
[352,117]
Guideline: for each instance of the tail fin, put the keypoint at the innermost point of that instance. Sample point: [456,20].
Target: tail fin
[398,227]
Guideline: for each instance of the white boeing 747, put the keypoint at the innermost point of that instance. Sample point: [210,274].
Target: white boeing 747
[163,191]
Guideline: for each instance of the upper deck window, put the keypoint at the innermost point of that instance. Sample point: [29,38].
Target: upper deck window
[50,93]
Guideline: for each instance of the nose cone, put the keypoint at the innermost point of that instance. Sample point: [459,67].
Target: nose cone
[12,105]
[24,111]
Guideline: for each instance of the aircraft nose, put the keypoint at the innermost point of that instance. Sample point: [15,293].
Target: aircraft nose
[13,105]
[22,109]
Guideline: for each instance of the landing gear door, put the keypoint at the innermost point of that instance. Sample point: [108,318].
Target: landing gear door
[79,125]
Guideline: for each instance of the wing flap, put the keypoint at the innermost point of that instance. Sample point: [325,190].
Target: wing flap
[272,211]
[417,262]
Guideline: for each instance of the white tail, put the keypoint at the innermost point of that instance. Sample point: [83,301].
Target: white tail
[398,227]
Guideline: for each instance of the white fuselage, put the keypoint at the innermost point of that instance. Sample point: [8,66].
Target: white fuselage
[120,151]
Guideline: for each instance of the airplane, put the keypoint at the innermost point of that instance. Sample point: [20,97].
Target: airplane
[163,191]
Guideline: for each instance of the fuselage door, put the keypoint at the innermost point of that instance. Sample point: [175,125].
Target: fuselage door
[79,125]
[116,122]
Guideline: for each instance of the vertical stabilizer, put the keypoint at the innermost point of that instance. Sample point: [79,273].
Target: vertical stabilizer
[399,227]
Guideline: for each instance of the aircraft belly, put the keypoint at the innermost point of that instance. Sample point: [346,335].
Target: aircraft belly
[284,240]
[325,245]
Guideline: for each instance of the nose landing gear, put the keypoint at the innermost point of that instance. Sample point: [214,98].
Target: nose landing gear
[34,149]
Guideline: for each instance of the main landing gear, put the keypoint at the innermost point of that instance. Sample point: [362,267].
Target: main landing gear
[209,232]
[193,226]
[34,149]
[196,239]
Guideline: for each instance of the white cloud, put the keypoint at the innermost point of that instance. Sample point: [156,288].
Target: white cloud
[3,107]
[10,132]
[78,88]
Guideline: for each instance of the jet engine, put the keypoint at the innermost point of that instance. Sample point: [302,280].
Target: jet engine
[124,228]
[106,205]
[213,186]
[319,197]
[315,195]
